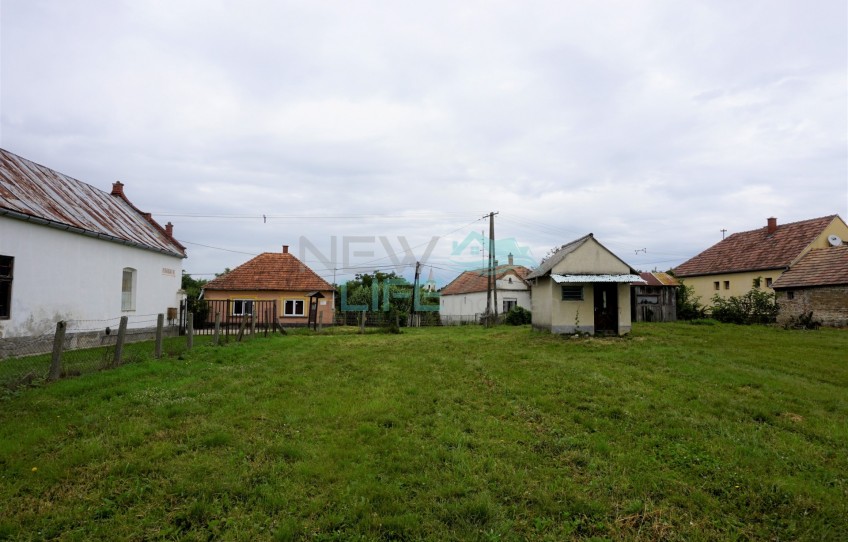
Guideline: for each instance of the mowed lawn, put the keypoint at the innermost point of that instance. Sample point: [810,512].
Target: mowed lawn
[678,432]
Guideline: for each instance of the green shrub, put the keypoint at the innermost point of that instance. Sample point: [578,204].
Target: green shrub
[518,316]
[755,307]
[688,304]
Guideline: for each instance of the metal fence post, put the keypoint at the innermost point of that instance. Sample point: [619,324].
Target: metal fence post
[160,324]
[190,330]
[362,317]
[217,337]
[119,345]
[58,344]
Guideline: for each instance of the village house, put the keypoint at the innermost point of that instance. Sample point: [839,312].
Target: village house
[72,252]
[816,286]
[278,280]
[582,288]
[734,265]
[654,299]
[464,299]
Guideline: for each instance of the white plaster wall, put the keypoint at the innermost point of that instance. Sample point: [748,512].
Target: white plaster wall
[462,305]
[67,276]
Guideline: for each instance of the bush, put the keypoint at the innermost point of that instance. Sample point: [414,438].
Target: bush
[518,316]
[688,305]
[755,307]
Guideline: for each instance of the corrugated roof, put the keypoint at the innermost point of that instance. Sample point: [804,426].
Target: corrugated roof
[757,249]
[560,279]
[30,191]
[657,278]
[819,267]
[279,271]
[476,281]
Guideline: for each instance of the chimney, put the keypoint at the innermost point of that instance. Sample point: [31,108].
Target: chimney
[169,229]
[772,225]
[285,249]
[509,256]
[117,188]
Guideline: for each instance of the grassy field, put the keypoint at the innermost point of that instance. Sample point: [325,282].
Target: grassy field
[678,432]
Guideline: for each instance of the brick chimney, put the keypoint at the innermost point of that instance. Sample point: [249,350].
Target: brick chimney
[169,229]
[285,249]
[772,225]
[509,257]
[117,188]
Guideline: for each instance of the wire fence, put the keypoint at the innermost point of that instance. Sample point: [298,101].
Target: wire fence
[78,347]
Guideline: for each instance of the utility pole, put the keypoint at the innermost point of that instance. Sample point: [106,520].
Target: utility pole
[491,283]
[414,294]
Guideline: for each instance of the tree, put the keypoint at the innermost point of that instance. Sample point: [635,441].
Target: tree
[192,287]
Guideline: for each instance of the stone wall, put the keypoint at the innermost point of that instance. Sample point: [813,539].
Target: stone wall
[829,305]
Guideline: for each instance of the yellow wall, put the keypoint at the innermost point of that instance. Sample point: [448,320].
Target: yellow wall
[326,310]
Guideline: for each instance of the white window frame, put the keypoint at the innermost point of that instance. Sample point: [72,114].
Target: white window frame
[129,286]
[509,303]
[245,304]
[294,302]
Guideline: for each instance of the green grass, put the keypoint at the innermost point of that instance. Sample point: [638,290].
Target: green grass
[678,432]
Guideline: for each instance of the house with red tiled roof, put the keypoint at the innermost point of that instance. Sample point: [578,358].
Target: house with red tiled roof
[731,266]
[817,284]
[464,299]
[72,252]
[654,298]
[279,278]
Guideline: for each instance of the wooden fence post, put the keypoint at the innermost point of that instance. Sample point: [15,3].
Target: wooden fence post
[190,330]
[362,322]
[320,321]
[252,325]
[160,324]
[216,340]
[241,328]
[119,344]
[58,345]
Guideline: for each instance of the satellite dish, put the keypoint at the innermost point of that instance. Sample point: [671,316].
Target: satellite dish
[834,240]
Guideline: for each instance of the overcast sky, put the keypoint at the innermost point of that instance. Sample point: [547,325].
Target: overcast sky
[652,124]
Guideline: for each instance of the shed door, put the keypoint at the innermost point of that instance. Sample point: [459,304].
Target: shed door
[606,307]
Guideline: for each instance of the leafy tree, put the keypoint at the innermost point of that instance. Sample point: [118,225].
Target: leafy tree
[192,288]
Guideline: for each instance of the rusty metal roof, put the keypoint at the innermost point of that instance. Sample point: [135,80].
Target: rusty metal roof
[32,192]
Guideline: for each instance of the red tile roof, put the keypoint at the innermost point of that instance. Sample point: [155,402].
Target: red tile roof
[32,192]
[819,267]
[756,250]
[475,281]
[271,271]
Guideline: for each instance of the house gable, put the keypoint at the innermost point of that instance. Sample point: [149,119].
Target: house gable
[476,281]
[590,258]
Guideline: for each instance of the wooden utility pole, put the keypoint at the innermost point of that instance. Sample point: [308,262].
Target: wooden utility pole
[491,284]
[414,294]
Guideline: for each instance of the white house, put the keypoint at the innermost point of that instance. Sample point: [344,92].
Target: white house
[583,287]
[69,251]
[464,298]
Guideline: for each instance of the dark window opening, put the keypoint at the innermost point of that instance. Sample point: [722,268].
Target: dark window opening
[572,293]
[6,267]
